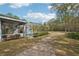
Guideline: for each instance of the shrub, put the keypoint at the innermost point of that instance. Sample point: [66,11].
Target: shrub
[73,35]
[39,34]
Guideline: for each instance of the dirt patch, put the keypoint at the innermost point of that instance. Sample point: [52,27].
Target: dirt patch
[43,48]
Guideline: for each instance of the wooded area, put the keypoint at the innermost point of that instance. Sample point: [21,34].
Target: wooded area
[67,18]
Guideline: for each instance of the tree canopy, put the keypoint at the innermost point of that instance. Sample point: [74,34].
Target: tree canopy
[67,16]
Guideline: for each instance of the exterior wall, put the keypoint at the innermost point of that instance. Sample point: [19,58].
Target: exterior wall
[25,30]
[0,32]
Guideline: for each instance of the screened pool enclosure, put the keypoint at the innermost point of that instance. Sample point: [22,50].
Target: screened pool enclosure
[11,28]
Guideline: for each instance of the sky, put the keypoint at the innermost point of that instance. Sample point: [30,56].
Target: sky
[33,12]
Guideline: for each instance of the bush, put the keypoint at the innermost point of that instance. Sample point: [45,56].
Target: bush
[39,34]
[73,35]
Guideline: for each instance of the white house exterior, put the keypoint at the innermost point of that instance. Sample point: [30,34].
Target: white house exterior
[14,24]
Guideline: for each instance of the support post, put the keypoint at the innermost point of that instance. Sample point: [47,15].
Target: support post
[25,30]
[0,32]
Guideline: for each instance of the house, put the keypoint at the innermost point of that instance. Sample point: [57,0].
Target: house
[11,28]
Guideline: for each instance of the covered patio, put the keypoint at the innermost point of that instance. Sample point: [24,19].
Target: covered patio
[11,28]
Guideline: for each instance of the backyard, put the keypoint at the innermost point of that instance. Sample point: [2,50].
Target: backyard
[54,43]
[52,30]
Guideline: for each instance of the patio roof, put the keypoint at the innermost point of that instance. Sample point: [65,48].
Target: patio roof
[11,19]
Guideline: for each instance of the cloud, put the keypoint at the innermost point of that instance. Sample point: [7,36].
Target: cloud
[2,3]
[40,17]
[18,5]
[49,7]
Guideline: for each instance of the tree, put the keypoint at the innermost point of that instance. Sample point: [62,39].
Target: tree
[10,14]
[67,12]
[13,16]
